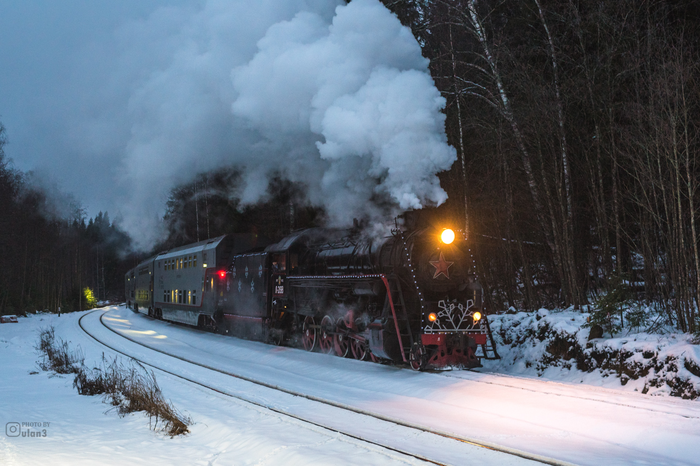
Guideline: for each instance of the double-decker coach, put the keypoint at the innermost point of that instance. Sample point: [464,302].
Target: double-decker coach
[180,285]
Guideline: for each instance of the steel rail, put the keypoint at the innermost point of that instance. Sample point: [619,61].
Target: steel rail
[563,395]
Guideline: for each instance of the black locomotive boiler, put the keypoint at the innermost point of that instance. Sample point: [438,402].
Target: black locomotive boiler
[409,298]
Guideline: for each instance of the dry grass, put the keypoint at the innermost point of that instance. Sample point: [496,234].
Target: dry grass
[56,356]
[129,388]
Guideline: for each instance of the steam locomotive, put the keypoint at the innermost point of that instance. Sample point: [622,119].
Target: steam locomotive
[410,298]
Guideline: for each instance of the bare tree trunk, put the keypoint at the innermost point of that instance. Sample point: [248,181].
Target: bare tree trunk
[24,274]
[206,202]
[567,239]
[529,294]
[461,137]
[616,198]
[508,114]
[690,187]
[196,208]
[596,170]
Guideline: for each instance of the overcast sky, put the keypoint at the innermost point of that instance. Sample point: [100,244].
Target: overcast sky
[64,114]
[118,101]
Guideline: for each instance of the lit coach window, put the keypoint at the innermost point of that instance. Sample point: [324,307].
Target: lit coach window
[447,236]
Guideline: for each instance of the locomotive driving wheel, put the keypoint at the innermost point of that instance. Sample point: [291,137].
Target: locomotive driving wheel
[341,340]
[359,349]
[309,334]
[418,357]
[326,334]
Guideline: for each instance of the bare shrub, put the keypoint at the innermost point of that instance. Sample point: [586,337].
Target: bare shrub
[129,388]
[142,393]
[132,388]
[56,356]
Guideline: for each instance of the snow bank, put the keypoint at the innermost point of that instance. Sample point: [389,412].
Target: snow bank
[555,345]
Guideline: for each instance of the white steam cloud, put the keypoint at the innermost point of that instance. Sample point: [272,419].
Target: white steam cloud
[336,96]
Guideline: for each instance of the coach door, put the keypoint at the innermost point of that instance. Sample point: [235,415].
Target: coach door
[210,296]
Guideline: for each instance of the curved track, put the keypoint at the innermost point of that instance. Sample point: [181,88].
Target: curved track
[245,400]
[396,422]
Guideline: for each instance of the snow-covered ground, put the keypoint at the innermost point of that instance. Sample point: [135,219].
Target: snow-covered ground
[571,421]
[83,430]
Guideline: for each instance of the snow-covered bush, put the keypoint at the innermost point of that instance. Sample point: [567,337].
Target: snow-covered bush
[556,344]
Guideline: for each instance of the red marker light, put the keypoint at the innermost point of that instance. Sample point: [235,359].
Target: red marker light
[222,274]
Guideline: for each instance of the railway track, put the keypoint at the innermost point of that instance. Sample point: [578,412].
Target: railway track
[510,452]
[608,392]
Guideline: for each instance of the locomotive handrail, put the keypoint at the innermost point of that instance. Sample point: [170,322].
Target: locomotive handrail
[393,313]
[404,248]
[324,277]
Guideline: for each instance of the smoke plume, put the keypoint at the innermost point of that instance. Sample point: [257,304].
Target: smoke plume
[332,95]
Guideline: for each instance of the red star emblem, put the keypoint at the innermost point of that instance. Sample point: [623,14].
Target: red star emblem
[442,267]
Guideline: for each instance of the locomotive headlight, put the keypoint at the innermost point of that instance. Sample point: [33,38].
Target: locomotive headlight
[447,236]
[432,317]
[477,316]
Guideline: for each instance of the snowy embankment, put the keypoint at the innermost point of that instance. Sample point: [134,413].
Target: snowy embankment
[555,345]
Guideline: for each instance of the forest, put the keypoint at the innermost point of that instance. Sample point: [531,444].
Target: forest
[576,130]
[576,127]
[53,256]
